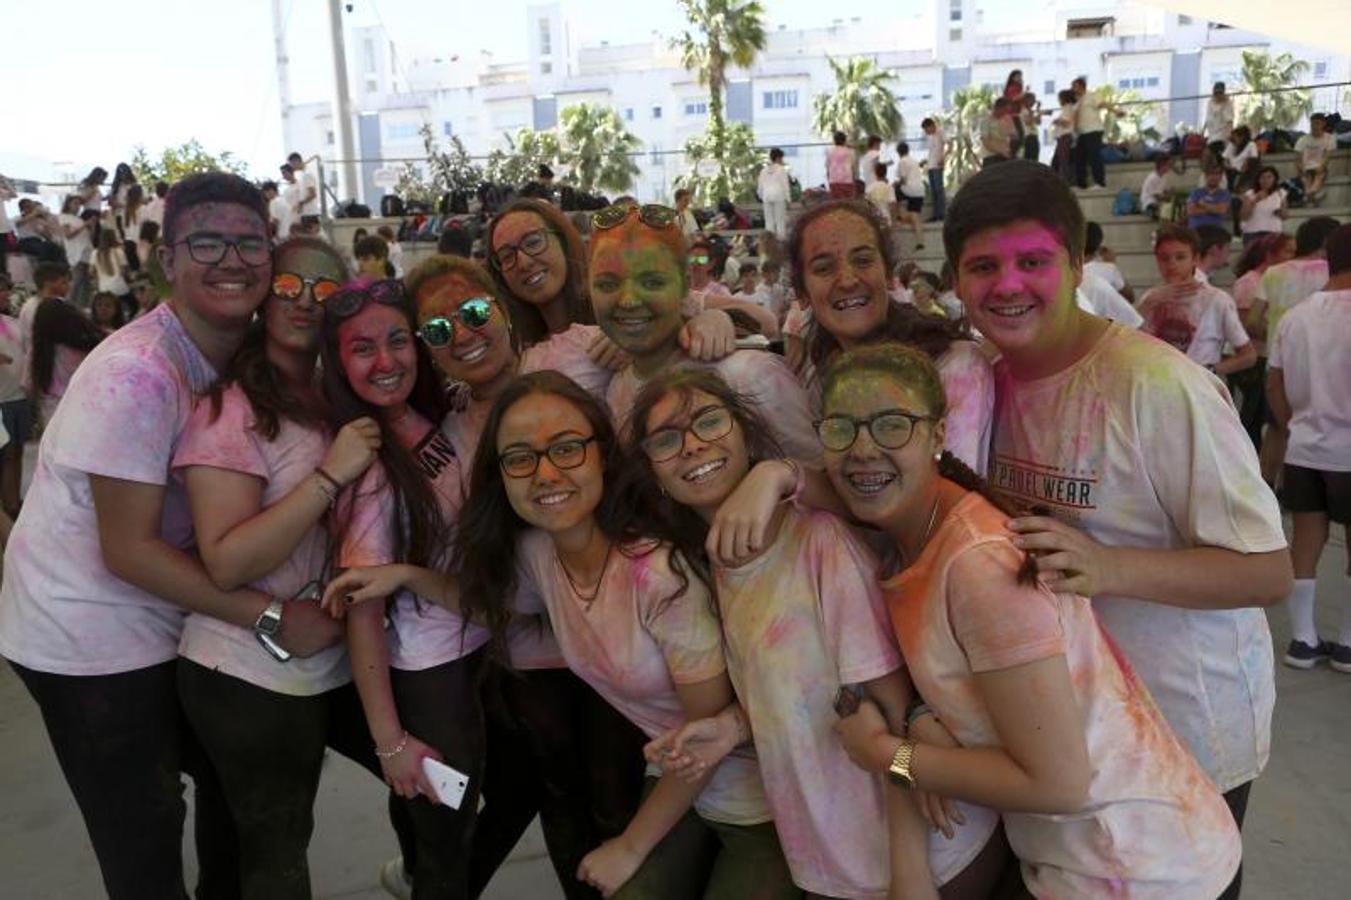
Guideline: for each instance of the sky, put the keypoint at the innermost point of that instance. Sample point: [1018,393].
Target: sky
[89,80]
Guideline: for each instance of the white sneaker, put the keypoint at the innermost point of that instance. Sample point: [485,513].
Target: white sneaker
[394,879]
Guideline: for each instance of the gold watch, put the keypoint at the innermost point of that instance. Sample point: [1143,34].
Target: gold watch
[899,770]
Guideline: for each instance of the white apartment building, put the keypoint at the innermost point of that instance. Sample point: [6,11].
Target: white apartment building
[946,46]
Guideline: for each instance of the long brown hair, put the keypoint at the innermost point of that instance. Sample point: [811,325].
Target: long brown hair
[421,533]
[267,393]
[526,320]
[679,524]
[913,370]
[485,541]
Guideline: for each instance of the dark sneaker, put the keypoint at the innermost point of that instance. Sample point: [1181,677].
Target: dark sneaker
[1300,655]
[1341,658]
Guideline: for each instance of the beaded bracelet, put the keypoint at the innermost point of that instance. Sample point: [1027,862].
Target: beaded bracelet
[398,748]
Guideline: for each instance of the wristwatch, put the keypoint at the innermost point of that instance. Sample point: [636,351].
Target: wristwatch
[267,628]
[899,770]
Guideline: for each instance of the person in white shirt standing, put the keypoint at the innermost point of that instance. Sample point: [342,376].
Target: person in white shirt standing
[909,191]
[1087,135]
[1313,149]
[868,162]
[1309,369]
[1219,124]
[774,191]
[278,212]
[307,202]
[78,231]
[934,142]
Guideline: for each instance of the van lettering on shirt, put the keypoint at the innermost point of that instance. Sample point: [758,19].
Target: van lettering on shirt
[434,454]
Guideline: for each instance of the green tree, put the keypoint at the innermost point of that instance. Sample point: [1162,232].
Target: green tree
[525,153]
[971,106]
[597,148]
[1263,72]
[176,163]
[722,34]
[740,165]
[442,173]
[1126,118]
[862,103]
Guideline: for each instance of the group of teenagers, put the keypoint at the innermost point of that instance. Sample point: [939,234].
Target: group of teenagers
[728,629]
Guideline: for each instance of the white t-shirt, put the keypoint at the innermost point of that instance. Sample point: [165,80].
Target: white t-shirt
[111,279]
[1107,271]
[881,196]
[153,211]
[423,634]
[1238,159]
[1219,119]
[1264,213]
[1101,299]
[1154,187]
[61,610]
[1314,151]
[1283,287]
[634,642]
[80,247]
[937,153]
[910,176]
[229,442]
[1152,826]
[307,182]
[772,183]
[566,352]
[799,621]
[291,192]
[865,166]
[278,208]
[1313,351]
[1141,448]
[1088,118]
[1199,324]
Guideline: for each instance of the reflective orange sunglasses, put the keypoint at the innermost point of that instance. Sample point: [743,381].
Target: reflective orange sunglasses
[289,286]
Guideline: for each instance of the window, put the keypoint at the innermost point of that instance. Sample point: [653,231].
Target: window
[446,130]
[628,114]
[656,112]
[780,99]
[400,131]
[695,108]
[1184,20]
[954,34]
[954,10]
[1090,28]
[1320,69]
[1152,81]
[545,38]
[546,68]
[372,85]
[368,55]
[1048,87]
[329,137]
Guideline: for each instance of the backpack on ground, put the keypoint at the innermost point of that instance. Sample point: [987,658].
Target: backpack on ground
[1124,204]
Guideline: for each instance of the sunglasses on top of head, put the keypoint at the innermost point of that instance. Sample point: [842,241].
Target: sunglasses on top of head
[653,215]
[348,302]
[474,313]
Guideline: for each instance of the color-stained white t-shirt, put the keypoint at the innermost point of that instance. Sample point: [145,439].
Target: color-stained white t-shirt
[800,621]
[1198,324]
[1313,151]
[61,610]
[1286,284]
[759,375]
[634,642]
[1103,300]
[1153,825]
[565,352]
[423,634]
[229,442]
[1313,351]
[1141,448]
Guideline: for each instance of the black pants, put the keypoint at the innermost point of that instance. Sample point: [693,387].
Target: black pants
[269,750]
[1237,800]
[1088,154]
[1252,409]
[440,706]
[42,249]
[557,749]
[1032,147]
[122,743]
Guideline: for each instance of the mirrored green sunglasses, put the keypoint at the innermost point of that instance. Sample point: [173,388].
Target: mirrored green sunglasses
[475,312]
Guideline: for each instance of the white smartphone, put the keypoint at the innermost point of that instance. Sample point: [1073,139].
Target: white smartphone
[450,784]
[752,342]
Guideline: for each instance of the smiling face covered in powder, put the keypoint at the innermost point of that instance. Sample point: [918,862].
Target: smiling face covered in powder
[845,276]
[637,287]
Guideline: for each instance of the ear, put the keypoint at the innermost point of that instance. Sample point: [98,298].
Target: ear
[939,437]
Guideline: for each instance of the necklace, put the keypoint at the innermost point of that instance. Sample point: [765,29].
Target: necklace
[933,517]
[587,599]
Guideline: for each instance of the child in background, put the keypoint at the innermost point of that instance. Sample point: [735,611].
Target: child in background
[395,249]
[1156,185]
[372,255]
[1313,149]
[1100,260]
[1062,127]
[881,195]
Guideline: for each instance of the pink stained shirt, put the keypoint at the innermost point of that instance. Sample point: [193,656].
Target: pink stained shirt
[634,643]
[566,352]
[61,610]
[799,621]
[229,442]
[1153,824]
[840,165]
[423,634]
[1199,326]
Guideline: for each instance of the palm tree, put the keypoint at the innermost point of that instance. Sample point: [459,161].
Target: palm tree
[861,105]
[1126,115]
[724,33]
[742,161]
[525,153]
[971,106]
[597,148]
[1283,109]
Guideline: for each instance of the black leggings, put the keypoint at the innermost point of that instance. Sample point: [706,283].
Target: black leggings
[269,750]
[557,749]
[440,706]
[1088,155]
[122,742]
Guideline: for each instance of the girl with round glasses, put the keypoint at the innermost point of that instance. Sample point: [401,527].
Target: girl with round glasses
[803,624]
[1046,722]
[554,746]
[546,530]
[262,471]
[419,683]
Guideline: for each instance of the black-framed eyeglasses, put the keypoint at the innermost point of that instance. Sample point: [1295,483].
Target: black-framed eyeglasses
[532,243]
[708,424]
[388,291]
[209,249]
[891,429]
[290,287]
[523,462]
[653,215]
[474,313]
